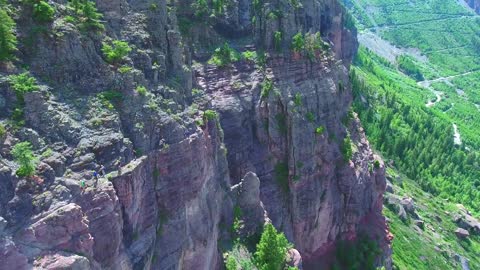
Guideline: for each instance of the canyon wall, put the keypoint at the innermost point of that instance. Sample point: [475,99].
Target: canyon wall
[170,174]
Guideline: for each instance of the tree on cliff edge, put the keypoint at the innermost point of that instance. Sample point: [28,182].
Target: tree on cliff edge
[271,250]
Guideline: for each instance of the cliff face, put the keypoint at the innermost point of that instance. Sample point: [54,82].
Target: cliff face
[166,195]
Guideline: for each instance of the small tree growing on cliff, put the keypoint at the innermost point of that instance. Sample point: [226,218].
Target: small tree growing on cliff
[8,40]
[271,250]
[23,154]
[116,52]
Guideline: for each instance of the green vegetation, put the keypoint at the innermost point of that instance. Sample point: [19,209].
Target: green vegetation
[107,98]
[267,87]
[320,130]
[141,90]
[356,255]
[437,240]
[272,249]
[298,99]
[277,41]
[8,40]
[47,153]
[224,55]
[23,83]
[116,52]
[408,66]
[298,42]
[417,138]
[43,12]
[86,15]
[416,134]
[310,117]
[346,148]
[249,55]
[23,155]
[201,9]
[309,44]
[210,115]
[231,263]
[3,131]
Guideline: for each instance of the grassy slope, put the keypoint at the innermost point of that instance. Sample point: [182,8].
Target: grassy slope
[446,33]
[414,248]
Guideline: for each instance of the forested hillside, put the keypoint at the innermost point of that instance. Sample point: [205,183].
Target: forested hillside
[416,84]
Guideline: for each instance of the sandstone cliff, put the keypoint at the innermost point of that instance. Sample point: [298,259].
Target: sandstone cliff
[172,174]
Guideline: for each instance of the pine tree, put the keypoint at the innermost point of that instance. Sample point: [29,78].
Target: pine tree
[8,40]
[271,250]
[91,18]
[23,154]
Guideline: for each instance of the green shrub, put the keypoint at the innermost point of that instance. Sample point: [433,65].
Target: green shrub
[231,263]
[310,117]
[320,130]
[376,164]
[116,52]
[141,90]
[107,98]
[218,6]
[43,12]
[47,153]
[272,249]
[223,56]
[153,7]
[277,41]
[267,87]
[250,55]
[23,83]
[87,15]
[23,155]
[210,115]
[346,148]
[91,18]
[201,9]
[298,99]
[313,44]
[298,42]
[124,69]
[8,40]
[358,254]
[3,131]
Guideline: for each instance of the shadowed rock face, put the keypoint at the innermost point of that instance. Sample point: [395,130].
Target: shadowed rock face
[277,157]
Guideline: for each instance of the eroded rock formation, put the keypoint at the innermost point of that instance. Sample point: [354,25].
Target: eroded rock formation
[172,175]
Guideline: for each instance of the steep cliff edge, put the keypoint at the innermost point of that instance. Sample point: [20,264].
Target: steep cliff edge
[170,167]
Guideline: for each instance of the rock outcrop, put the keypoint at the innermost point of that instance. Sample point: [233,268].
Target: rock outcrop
[171,175]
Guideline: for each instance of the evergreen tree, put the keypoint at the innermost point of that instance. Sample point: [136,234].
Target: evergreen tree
[91,18]
[8,40]
[23,154]
[271,250]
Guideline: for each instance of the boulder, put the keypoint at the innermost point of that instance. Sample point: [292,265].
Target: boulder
[462,233]
[408,205]
[62,261]
[419,223]
[294,259]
